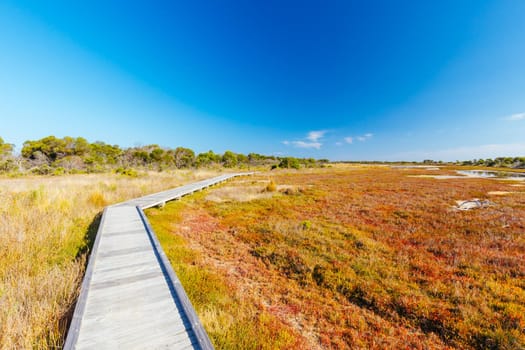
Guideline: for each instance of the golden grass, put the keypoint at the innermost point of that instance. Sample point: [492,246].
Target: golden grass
[358,258]
[46,226]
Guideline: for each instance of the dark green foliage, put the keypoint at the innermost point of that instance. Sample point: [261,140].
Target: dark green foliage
[255,159]
[101,153]
[156,155]
[309,163]
[242,159]
[184,157]
[127,172]
[8,165]
[6,149]
[499,162]
[141,156]
[48,149]
[207,159]
[42,170]
[7,162]
[69,155]
[289,162]
[229,159]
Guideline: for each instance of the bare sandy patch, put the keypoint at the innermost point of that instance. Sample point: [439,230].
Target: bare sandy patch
[288,189]
[238,194]
[499,193]
[410,167]
[439,177]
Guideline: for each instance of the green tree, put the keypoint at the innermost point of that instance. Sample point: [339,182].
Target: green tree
[207,158]
[242,159]
[156,155]
[51,147]
[81,147]
[101,153]
[289,162]
[6,149]
[184,157]
[141,157]
[490,162]
[229,159]
[254,158]
[309,162]
[480,162]
[7,161]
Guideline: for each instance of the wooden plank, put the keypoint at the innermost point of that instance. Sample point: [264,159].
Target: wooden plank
[127,303]
[176,193]
[130,296]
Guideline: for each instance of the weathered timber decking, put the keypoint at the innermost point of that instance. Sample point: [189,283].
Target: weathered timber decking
[130,297]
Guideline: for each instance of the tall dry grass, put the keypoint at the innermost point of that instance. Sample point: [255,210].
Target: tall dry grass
[46,227]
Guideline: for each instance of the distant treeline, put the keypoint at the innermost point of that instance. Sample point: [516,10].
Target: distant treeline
[52,155]
[499,162]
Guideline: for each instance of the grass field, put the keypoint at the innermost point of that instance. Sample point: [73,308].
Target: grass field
[352,257]
[46,227]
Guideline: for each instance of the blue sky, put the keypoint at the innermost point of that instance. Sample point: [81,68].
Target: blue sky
[344,80]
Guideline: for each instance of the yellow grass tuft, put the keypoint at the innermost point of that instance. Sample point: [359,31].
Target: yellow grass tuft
[47,225]
[97,199]
[271,187]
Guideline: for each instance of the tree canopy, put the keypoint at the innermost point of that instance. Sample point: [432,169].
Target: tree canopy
[6,149]
[53,155]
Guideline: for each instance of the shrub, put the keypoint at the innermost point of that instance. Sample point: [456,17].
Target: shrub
[289,162]
[7,165]
[306,225]
[42,170]
[127,172]
[271,187]
[59,171]
[97,199]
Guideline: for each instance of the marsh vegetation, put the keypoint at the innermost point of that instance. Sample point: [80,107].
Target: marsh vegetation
[47,225]
[353,257]
[340,257]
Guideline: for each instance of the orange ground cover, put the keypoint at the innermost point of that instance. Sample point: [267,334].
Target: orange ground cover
[370,257]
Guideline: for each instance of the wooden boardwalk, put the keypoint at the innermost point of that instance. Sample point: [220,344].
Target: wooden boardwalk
[130,297]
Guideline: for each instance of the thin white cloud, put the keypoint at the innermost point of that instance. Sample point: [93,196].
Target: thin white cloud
[464,153]
[310,141]
[515,117]
[303,144]
[338,143]
[315,135]
[362,138]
